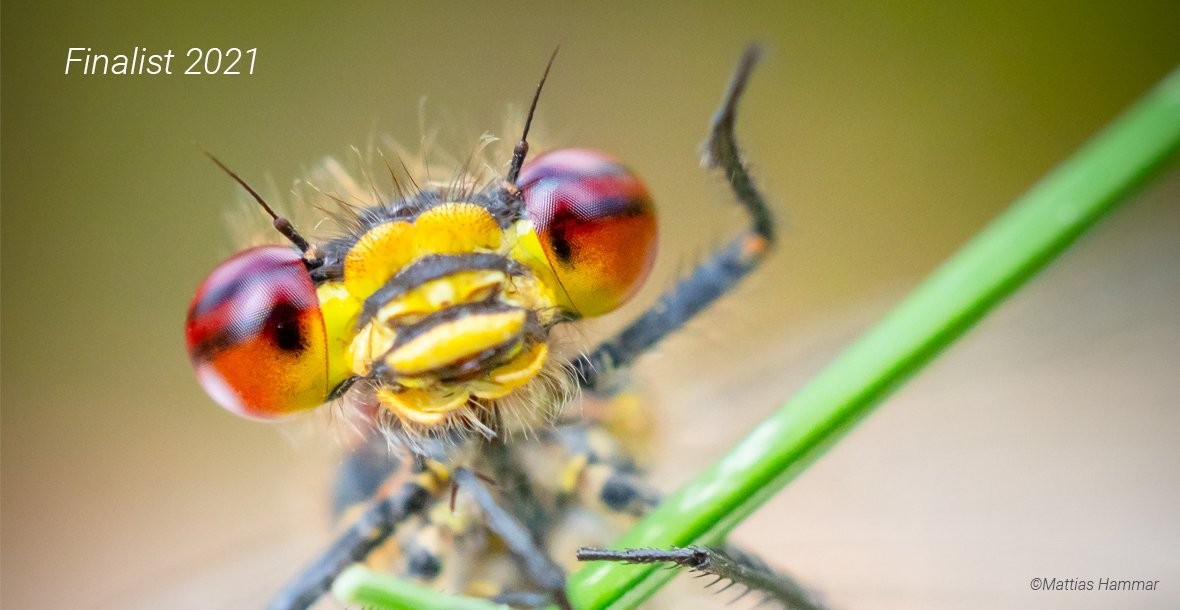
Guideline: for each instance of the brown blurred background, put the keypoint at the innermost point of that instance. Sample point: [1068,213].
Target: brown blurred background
[1043,445]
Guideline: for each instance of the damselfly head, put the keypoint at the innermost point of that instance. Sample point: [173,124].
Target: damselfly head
[434,313]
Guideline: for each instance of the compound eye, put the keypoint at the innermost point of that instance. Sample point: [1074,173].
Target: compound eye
[595,223]
[256,336]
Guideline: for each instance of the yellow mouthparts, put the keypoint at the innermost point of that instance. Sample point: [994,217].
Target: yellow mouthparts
[452,342]
[431,405]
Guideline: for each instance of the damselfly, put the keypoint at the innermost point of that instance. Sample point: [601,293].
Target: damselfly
[429,316]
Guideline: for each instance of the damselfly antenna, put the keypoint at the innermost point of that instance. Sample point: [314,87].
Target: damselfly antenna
[522,147]
[282,225]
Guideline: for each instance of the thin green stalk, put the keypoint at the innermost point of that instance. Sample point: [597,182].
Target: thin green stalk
[359,585]
[1038,227]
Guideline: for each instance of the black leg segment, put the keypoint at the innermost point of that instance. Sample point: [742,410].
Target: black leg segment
[535,561]
[371,529]
[724,564]
[721,271]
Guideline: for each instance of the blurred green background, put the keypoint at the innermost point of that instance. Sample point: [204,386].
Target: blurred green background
[1042,446]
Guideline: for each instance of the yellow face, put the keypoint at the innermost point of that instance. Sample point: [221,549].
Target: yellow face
[435,319]
[439,311]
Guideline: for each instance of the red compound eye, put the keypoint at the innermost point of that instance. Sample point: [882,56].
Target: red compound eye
[596,224]
[256,336]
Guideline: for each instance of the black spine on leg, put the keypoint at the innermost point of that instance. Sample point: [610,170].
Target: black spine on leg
[370,530]
[721,271]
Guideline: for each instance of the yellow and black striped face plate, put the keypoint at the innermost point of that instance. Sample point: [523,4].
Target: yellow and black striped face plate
[442,312]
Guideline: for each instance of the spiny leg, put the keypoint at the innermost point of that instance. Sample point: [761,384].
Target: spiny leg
[373,527]
[706,284]
[606,481]
[721,271]
[541,569]
[730,563]
[726,563]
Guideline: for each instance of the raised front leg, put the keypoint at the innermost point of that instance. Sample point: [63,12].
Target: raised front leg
[717,274]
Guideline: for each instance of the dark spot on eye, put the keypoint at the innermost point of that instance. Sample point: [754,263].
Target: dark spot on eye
[561,244]
[285,331]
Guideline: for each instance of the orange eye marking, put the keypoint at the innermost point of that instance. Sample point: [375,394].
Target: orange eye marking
[256,337]
[596,224]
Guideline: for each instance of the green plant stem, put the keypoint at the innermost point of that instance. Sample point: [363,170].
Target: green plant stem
[1038,227]
[359,585]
